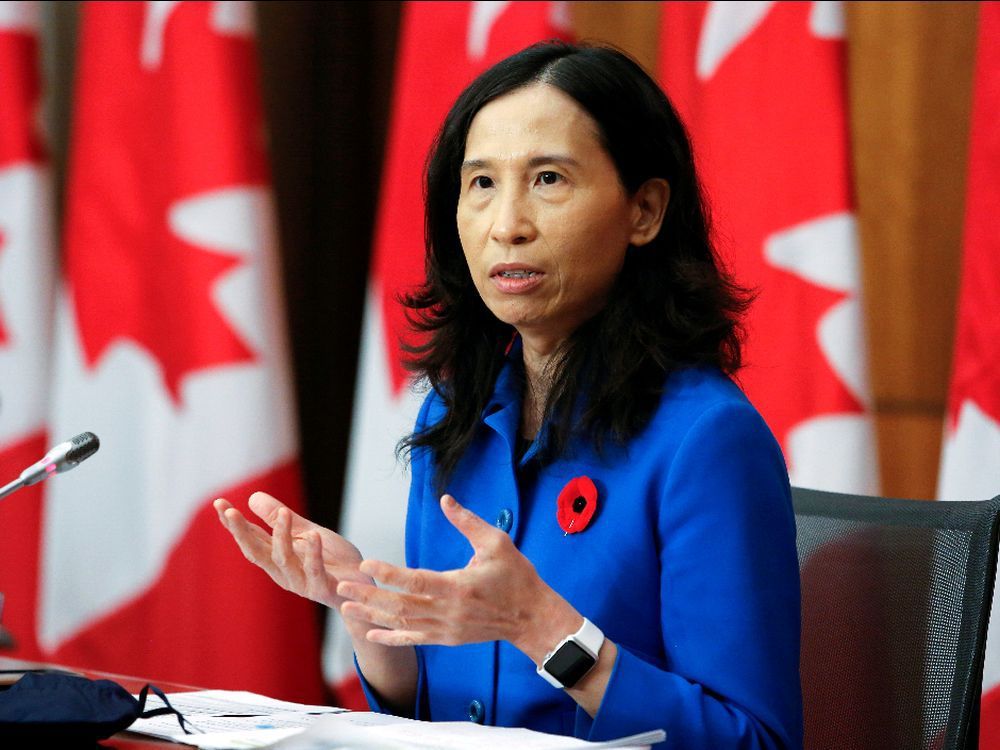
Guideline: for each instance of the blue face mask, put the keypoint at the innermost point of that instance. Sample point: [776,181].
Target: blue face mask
[72,709]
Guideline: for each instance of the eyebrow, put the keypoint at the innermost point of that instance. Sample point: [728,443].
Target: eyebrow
[535,161]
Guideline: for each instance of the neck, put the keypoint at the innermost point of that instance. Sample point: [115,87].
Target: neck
[540,357]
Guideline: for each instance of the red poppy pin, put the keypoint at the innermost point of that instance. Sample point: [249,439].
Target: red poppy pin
[576,504]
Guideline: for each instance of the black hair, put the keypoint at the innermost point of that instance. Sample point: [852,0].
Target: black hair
[673,304]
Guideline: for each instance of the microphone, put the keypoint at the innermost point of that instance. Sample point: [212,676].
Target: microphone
[61,458]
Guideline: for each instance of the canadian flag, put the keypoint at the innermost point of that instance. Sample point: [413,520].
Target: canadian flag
[442,47]
[26,283]
[170,346]
[761,87]
[970,464]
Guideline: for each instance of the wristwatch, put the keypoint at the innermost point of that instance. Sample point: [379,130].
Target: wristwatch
[573,656]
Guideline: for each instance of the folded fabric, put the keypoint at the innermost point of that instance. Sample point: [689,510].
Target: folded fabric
[76,711]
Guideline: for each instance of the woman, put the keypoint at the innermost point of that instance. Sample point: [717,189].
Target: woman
[626,510]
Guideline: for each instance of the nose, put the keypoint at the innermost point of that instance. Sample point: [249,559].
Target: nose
[512,222]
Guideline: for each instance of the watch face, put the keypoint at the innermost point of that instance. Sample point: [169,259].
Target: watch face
[569,664]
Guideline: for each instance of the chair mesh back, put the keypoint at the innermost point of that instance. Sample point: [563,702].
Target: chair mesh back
[895,602]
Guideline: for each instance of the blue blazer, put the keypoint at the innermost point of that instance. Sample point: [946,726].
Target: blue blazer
[689,566]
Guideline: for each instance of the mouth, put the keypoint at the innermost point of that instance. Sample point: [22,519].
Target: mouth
[515,271]
[515,278]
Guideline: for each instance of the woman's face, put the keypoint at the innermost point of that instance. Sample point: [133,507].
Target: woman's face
[542,216]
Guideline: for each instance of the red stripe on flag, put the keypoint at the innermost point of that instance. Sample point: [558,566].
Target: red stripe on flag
[989,720]
[976,367]
[970,468]
[348,693]
[25,296]
[20,527]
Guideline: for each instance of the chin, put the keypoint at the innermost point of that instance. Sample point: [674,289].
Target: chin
[506,312]
[519,320]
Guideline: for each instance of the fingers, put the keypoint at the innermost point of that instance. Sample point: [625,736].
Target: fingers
[317,582]
[281,538]
[267,508]
[412,629]
[479,533]
[312,564]
[413,581]
[295,561]
[390,602]
[234,521]
[362,613]
[253,541]
[228,515]
[282,552]
[397,637]
[407,618]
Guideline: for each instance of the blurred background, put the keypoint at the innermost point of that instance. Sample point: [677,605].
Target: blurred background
[327,70]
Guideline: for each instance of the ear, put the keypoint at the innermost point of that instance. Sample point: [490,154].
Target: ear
[649,204]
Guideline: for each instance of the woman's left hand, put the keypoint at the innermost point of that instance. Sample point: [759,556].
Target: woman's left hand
[497,596]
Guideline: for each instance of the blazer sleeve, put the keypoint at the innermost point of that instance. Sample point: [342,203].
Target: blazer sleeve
[729,600]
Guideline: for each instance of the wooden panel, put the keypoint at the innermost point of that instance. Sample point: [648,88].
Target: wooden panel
[910,83]
[631,26]
[910,75]
[327,75]
[909,453]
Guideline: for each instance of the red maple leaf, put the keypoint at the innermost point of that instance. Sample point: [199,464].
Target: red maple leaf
[148,136]
[769,130]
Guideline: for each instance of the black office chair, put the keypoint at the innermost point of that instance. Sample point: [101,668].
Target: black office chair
[896,598]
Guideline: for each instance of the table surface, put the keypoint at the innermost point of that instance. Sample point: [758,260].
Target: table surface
[123,740]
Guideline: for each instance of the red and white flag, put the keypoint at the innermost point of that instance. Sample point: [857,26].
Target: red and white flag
[761,87]
[442,47]
[170,346]
[970,465]
[26,282]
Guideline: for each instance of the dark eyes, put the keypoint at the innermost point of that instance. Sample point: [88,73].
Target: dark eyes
[548,177]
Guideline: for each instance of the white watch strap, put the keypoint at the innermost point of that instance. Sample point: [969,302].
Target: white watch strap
[590,637]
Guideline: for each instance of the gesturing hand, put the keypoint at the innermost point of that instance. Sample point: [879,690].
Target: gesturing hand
[497,596]
[299,555]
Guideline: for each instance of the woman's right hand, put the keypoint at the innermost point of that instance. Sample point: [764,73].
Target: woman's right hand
[299,555]
[309,560]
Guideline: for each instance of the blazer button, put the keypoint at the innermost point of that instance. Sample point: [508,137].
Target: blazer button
[476,712]
[505,519]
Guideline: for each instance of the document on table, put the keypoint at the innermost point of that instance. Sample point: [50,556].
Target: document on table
[229,718]
[358,730]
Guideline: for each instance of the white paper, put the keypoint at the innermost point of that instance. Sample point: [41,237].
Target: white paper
[235,720]
[239,740]
[369,731]
[239,718]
